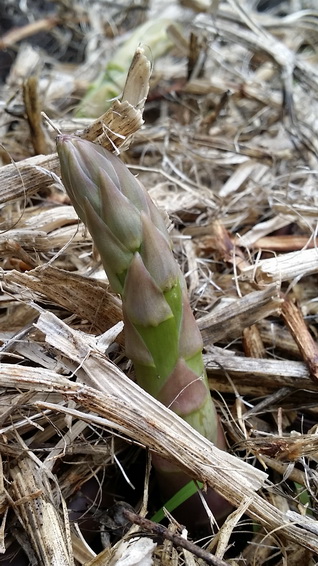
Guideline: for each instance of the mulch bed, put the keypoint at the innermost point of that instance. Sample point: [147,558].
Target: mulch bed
[220,125]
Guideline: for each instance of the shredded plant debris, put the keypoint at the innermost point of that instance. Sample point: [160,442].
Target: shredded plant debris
[213,106]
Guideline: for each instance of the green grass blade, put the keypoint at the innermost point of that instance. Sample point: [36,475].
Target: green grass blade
[180,497]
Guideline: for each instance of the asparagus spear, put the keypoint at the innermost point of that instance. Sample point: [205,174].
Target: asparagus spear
[161,335]
[154,35]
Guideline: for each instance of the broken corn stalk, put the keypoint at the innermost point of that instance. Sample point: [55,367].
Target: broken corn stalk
[161,335]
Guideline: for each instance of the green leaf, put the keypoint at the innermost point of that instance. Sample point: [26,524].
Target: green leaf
[303,497]
[180,497]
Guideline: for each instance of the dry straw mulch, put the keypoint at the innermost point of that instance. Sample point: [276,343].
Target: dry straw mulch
[227,146]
